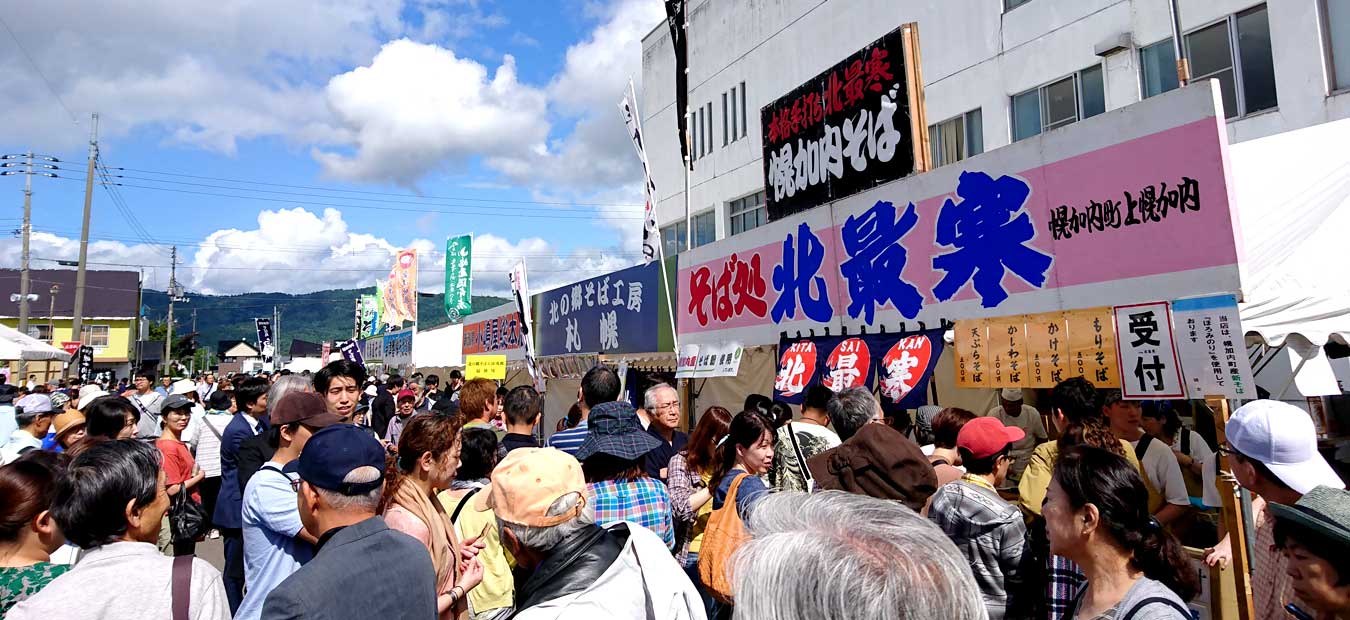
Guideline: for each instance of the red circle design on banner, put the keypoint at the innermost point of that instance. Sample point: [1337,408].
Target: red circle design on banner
[796,368]
[848,365]
[904,366]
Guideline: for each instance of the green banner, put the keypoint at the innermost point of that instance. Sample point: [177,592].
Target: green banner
[458,277]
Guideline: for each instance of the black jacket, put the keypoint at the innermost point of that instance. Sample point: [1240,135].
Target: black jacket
[574,565]
[381,411]
[254,452]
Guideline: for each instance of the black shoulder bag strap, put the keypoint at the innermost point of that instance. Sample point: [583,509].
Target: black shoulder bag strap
[463,501]
[1141,448]
[182,586]
[801,460]
[1154,600]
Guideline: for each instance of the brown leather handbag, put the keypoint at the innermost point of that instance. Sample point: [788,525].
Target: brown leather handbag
[722,537]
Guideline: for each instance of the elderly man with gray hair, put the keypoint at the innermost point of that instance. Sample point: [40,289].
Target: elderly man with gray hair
[341,479]
[870,559]
[851,409]
[579,570]
[662,402]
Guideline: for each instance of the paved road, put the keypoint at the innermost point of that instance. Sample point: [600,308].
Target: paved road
[212,551]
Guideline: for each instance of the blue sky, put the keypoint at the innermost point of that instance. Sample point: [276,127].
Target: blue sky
[498,114]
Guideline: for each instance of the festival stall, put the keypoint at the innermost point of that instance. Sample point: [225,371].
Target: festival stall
[497,331]
[439,349]
[620,319]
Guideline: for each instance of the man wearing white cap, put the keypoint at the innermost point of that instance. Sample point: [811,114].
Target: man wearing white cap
[1012,412]
[1273,446]
[34,414]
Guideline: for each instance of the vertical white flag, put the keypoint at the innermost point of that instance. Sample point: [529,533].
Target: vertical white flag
[520,287]
[650,237]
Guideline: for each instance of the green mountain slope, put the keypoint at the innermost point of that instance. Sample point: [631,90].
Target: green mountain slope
[318,316]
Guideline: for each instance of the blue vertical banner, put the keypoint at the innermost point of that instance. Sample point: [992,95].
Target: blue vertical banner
[613,313]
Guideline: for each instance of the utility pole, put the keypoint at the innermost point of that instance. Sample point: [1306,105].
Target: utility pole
[76,322]
[25,285]
[1183,65]
[173,293]
[192,364]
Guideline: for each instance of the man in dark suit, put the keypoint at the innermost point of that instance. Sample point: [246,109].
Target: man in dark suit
[382,407]
[250,419]
[341,476]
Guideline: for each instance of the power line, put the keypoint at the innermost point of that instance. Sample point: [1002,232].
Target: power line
[372,207]
[306,269]
[355,191]
[38,70]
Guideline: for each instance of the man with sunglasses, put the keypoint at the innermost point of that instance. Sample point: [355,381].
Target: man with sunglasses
[275,541]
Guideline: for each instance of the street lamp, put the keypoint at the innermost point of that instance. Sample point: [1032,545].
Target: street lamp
[51,313]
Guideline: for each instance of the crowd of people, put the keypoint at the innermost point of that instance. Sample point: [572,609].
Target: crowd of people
[341,495]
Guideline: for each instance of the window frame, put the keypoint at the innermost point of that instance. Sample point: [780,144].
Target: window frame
[1077,77]
[745,210]
[966,131]
[745,127]
[1015,4]
[710,216]
[35,331]
[1328,48]
[677,236]
[1234,57]
[90,330]
[735,134]
[724,119]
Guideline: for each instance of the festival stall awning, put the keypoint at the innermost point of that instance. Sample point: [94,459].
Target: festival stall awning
[1293,194]
[16,345]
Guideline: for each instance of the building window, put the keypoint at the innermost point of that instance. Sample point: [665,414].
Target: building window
[94,335]
[956,139]
[672,238]
[705,228]
[1235,51]
[1009,5]
[41,332]
[734,133]
[709,119]
[724,119]
[748,213]
[1059,103]
[1159,68]
[743,100]
[1336,31]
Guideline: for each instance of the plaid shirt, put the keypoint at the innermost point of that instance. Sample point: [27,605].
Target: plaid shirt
[1065,580]
[643,501]
[992,536]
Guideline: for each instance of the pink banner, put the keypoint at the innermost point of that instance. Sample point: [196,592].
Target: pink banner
[1136,219]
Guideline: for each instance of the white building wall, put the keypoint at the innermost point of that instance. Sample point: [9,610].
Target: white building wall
[974,56]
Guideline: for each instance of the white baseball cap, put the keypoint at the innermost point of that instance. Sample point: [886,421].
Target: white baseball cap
[1011,394]
[89,397]
[182,386]
[1282,437]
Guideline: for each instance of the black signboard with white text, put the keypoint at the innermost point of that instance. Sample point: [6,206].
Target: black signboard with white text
[844,131]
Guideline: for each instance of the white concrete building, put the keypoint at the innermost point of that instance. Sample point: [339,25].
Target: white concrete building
[994,71]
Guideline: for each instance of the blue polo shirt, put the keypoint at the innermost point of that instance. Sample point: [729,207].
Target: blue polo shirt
[570,440]
[271,550]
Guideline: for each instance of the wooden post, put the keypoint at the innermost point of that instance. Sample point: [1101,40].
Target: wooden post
[1232,516]
[918,115]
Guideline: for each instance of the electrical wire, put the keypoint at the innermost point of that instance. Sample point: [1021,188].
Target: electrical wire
[38,70]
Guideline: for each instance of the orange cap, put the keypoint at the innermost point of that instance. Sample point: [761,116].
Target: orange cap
[527,483]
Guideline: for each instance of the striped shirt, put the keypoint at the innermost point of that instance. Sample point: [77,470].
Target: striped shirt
[644,501]
[569,440]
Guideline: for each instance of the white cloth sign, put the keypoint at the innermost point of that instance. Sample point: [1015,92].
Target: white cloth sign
[1211,347]
[709,360]
[1148,359]
[651,239]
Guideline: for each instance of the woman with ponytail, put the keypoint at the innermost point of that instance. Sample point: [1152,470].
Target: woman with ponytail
[1096,514]
[747,450]
[1077,416]
[425,464]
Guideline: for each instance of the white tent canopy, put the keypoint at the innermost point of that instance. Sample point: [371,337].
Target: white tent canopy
[16,345]
[1292,191]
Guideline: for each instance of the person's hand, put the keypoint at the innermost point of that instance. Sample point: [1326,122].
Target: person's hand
[173,489]
[470,548]
[1221,554]
[128,393]
[471,576]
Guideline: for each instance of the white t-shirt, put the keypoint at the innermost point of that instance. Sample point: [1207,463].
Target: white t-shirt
[1163,471]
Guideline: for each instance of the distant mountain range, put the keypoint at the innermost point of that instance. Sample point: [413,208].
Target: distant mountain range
[316,317]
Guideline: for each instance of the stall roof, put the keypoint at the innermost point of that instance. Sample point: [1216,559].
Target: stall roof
[1293,194]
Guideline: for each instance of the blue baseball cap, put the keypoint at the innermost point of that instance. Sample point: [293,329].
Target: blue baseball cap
[336,451]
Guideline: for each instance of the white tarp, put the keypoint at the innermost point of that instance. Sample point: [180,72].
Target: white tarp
[1293,194]
[16,345]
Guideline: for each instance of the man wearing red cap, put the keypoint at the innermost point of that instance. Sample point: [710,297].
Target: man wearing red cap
[989,531]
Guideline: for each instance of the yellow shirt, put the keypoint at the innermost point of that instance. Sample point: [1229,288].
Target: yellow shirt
[1036,478]
[498,589]
[701,520]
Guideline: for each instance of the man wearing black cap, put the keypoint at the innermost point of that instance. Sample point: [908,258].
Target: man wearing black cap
[341,478]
